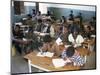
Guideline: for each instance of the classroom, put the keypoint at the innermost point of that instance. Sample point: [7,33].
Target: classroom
[52,37]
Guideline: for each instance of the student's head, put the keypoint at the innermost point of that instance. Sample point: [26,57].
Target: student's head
[71,11]
[47,39]
[88,28]
[39,13]
[48,12]
[30,32]
[63,17]
[65,29]
[57,28]
[17,28]
[75,32]
[48,21]
[29,16]
[39,21]
[33,10]
[70,51]
[80,13]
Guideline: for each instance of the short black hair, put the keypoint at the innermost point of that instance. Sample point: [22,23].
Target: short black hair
[47,38]
[71,11]
[89,27]
[29,15]
[40,20]
[70,51]
[17,26]
[48,20]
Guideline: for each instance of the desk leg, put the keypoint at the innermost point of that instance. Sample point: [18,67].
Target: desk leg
[29,65]
[85,58]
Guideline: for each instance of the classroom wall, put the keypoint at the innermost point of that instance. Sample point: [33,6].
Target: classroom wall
[58,12]
[17,18]
[87,13]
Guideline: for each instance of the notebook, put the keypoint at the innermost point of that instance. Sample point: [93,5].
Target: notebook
[59,41]
[59,62]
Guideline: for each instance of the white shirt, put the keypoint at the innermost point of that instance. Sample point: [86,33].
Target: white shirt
[52,32]
[79,39]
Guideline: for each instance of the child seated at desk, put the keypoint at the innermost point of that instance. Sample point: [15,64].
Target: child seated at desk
[75,38]
[17,36]
[71,54]
[46,44]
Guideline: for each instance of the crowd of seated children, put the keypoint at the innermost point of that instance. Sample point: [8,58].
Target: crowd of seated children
[43,27]
[71,54]
[68,33]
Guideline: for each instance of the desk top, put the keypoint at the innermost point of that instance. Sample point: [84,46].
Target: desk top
[46,63]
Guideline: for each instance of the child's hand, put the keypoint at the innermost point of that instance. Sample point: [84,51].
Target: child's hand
[64,58]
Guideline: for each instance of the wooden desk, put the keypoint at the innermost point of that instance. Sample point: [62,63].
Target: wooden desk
[89,43]
[45,63]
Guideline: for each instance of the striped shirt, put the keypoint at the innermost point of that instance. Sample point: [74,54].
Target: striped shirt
[76,59]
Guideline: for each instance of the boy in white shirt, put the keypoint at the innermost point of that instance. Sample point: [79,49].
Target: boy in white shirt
[75,38]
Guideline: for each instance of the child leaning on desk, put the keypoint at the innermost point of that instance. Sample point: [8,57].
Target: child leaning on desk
[71,54]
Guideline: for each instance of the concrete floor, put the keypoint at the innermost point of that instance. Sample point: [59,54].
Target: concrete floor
[20,65]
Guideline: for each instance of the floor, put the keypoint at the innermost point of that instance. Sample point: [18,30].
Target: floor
[20,65]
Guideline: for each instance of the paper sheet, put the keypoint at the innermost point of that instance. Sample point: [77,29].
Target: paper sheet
[45,54]
[58,62]
[40,54]
[68,61]
[66,46]
[59,41]
[93,36]
[24,39]
[49,54]
[42,34]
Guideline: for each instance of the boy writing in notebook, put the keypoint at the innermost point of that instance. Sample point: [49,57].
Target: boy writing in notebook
[71,54]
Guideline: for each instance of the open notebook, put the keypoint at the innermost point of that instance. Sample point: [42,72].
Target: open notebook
[59,62]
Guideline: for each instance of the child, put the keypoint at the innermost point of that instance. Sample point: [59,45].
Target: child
[45,45]
[71,54]
[75,38]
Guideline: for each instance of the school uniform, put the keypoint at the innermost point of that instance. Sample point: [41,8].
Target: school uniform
[76,59]
[79,39]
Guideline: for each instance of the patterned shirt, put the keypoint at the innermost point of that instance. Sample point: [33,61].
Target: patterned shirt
[76,59]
